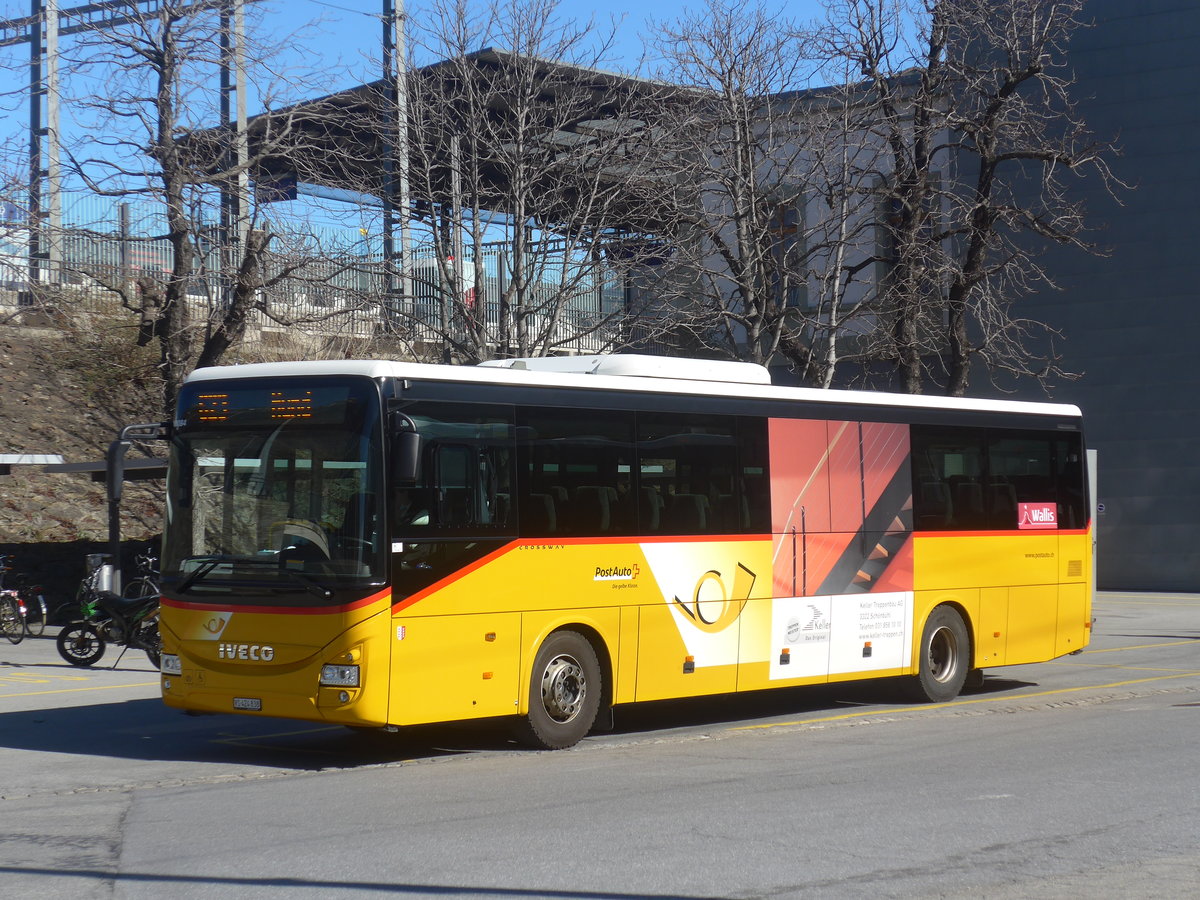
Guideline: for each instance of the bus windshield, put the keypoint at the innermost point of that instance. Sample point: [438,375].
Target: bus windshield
[273,490]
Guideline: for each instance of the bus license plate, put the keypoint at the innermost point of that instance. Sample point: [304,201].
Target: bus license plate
[251,703]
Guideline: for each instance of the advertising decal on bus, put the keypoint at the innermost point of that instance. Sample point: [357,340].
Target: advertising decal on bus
[1037,515]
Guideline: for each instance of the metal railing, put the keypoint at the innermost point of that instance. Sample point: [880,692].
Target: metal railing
[338,283]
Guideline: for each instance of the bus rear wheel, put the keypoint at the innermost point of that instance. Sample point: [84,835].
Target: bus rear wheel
[945,657]
[564,693]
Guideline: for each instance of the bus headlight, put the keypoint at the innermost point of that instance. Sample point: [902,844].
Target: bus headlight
[170,664]
[339,676]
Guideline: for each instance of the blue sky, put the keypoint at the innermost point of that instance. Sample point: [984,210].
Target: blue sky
[346,48]
[352,27]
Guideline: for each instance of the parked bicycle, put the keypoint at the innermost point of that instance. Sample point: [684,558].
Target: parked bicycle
[11,623]
[22,607]
[145,583]
[105,617]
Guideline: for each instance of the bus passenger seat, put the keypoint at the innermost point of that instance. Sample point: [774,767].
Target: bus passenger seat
[539,515]
[688,513]
[935,508]
[731,513]
[593,511]
[1002,503]
[649,509]
[968,503]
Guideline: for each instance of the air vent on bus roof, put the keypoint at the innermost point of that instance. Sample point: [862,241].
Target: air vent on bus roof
[641,365]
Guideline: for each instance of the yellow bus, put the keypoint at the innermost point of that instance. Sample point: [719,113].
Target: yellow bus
[384,544]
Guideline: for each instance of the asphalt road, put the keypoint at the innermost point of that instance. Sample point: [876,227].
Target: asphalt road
[1071,778]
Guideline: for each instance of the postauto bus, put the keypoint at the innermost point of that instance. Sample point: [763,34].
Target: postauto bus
[384,544]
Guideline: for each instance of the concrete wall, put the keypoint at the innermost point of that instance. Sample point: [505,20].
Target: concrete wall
[1132,320]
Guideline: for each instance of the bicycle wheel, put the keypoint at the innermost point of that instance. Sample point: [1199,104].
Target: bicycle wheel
[35,612]
[140,588]
[11,622]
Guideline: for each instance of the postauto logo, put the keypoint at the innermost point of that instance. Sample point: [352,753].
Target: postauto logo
[616,573]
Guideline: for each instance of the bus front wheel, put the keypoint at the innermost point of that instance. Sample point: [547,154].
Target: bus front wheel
[564,692]
[945,657]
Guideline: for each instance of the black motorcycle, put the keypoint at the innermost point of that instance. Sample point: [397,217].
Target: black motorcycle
[109,618]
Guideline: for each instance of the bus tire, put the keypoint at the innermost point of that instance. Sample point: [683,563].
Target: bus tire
[945,657]
[564,693]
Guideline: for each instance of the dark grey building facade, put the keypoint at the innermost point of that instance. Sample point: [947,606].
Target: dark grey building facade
[1131,321]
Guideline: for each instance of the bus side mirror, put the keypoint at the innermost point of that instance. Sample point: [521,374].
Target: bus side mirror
[406,458]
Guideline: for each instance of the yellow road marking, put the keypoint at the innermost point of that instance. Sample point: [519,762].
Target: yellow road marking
[954,703]
[38,678]
[99,687]
[1143,646]
[1179,595]
[1115,666]
[1134,601]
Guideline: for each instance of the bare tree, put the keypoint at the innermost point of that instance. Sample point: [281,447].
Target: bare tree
[779,193]
[982,141]
[529,163]
[841,173]
[893,217]
[147,91]
[740,253]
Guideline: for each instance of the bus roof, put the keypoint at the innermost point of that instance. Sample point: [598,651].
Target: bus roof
[590,379]
[642,365]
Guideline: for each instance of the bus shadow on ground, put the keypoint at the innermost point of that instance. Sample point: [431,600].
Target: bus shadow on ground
[816,701]
[147,730]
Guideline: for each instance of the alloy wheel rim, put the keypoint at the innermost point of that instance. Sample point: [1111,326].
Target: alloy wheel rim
[564,688]
[943,655]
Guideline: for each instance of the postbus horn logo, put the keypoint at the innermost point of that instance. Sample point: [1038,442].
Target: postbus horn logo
[712,607]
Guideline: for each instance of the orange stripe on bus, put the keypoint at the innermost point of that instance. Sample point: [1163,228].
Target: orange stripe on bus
[640,539]
[1029,532]
[455,576]
[450,579]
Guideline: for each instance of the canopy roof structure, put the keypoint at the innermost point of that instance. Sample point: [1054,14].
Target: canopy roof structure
[345,141]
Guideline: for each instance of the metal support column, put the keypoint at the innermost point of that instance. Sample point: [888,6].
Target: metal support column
[396,201]
[451,299]
[45,176]
[235,190]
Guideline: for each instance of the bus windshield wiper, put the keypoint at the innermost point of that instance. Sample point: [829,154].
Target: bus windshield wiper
[208,563]
[201,571]
[309,583]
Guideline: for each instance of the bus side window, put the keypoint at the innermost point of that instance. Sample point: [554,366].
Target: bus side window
[968,479]
[454,489]
[466,477]
[949,475]
[575,472]
[752,493]
[692,463]
[1072,490]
